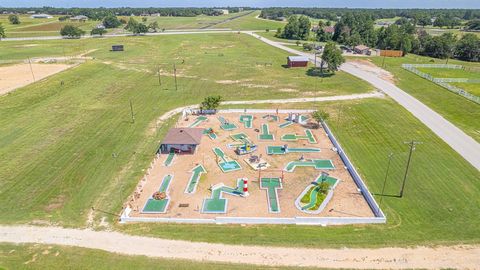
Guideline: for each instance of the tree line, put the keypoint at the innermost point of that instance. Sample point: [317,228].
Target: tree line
[334,14]
[100,13]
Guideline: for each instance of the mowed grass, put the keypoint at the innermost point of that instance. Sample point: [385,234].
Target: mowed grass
[452,73]
[472,88]
[455,108]
[251,22]
[66,148]
[440,203]
[57,257]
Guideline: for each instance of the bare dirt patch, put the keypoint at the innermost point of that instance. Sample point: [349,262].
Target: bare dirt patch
[19,75]
[367,65]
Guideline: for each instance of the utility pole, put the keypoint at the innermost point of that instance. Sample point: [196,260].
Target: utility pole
[31,69]
[175,75]
[131,112]
[386,176]
[412,148]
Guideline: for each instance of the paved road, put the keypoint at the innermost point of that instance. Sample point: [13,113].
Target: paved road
[467,147]
[383,258]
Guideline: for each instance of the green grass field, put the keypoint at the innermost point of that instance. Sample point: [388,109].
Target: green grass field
[57,257]
[441,193]
[455,108]
[57,142]
[250,22]
[472,88]
[452,73]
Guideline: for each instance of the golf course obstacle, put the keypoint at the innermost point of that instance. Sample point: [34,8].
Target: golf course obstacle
[194,179]
[198,121]
[224,162]
[294,137]
[284,149]
[297,118]
[318,164]
[257,163]
[226,125]
[210,133]
[271,185]
[246,148]
[265,134]
[159,201]
[169,160]
[285,124]
[271,117]
[217,204]
[316,196]
[247,120]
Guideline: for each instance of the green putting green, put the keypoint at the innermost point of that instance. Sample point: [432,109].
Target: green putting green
[210,133]
[285,124]
[241,137]
[225,125]
[216,203]
[198,121]
[247,120]
[294,137]
[265,134]
[280,150]
[318,164]
[194,179]
[159,206]
[271,185]
[169,159]
[226,165]
[314,197]
[219,152]
[270,117]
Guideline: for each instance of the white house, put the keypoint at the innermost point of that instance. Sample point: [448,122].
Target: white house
[41,16]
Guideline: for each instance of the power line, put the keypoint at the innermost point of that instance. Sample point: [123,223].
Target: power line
[412,144]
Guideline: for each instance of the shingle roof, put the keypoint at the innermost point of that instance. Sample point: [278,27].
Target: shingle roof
[361,47]
[183,136]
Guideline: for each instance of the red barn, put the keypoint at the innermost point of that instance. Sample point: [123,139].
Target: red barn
[297,61]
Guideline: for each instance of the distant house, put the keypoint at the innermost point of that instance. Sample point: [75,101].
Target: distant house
[100,26]
[222,11]
[297,61]
[31,12]
[362,49]
[329,29]
[41,16]
[79,18]
[182,140]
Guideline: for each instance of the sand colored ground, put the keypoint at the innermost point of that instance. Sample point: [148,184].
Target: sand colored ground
[19,75]
[346,202]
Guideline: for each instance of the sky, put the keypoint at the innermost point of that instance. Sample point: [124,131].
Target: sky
[247,3]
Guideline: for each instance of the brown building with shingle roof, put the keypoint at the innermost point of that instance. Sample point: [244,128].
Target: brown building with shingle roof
[181,140]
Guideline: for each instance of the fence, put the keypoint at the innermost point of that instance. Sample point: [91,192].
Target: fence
[443,82]
[391,53]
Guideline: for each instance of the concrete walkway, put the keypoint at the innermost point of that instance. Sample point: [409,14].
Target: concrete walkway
[383,258]
[463,144]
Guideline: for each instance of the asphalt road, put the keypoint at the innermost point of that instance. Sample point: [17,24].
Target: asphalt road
[463,144]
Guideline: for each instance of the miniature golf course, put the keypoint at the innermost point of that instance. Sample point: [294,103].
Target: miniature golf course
[159,206]
[210,133]
[226,125]
[270,117]
[318,164]
[198,121]
[226,164]
[285,124]
[247,120]
[241,137]
[280,150]
[271,185]
[216,203]
[194,179]
[294,137]
[265,134]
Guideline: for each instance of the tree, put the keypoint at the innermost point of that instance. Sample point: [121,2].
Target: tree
[98,31]
[153,26]
[211,103]
[320,116]
[132,23]
[468,48]
[304,26]
[13,19]
[144,19]
[71,31]
[140,28]
[307,46]
[111,21]
[2,31]
[473,25]
[290,31]
[332,56]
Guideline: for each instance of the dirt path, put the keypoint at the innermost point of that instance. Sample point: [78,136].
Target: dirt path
[383,258]
[19,75]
